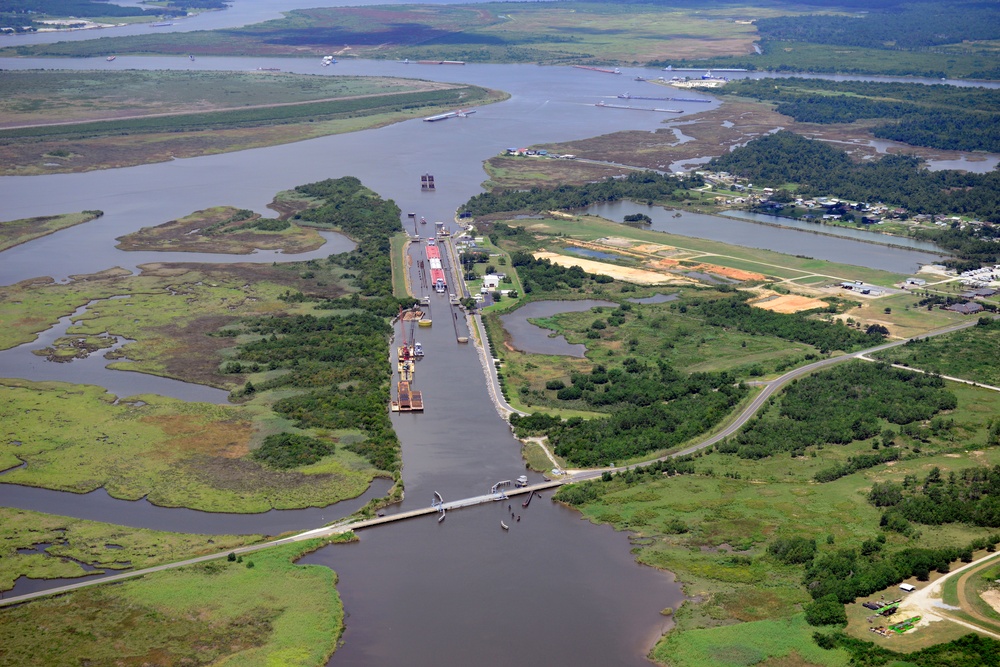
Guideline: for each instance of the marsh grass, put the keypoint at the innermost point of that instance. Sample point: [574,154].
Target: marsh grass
[218,612]
[101,545]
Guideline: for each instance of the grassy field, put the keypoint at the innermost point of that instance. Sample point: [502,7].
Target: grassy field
[962,60]
[786,641]
[193,455]
[16,232]
[571,32]
[155,116]
[263,610]
[48,96]
[711,530]
[170,311]
[969,354]
[101,545]
[178,454]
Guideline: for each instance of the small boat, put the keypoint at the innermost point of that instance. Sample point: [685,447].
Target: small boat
[191,58]
[521,481]
[423,220]
[418,349]
[504,526]
[161,24]
[110,58]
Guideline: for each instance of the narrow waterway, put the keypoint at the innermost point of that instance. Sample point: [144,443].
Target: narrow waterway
[528,337]
[790,241]
[553,589]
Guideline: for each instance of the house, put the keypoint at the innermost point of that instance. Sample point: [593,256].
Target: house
[965,308]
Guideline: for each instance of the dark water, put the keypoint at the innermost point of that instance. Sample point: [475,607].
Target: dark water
[553,590]
[529,337]
[765,237]
[21,362]
[835,230]
[593,254]
[99,506]
[656,298]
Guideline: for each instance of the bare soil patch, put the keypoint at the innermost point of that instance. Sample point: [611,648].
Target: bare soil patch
[788,303]
[992,598]
[637,276]
[726,272]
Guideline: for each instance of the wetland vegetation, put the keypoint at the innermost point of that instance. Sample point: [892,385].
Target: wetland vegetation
[221,610]
[16,232]
[281,361]
[77,121]
[44,546]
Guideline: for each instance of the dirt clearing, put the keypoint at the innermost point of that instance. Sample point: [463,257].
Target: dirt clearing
[788,303]
[636,276]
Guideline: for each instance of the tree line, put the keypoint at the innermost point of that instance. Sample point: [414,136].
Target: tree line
[335,363]
[839,406]
[647,186]
[900,180]
[735,312]
[970,496]
[938,116]
[370,220]
[896,26]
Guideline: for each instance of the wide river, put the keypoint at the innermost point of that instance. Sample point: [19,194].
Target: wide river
[553,590]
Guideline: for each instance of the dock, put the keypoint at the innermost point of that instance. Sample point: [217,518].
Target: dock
[603,70]
[622,106]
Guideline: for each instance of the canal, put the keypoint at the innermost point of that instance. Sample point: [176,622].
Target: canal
[553,589]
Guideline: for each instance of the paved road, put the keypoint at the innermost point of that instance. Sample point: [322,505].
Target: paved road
[770,388]
[344,526]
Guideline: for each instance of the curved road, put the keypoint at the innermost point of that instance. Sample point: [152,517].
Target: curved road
[502,404]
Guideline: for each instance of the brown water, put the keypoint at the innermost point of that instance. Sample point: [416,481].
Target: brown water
[553,590]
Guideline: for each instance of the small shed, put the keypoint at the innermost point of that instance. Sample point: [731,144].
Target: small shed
[909,588]
[491,281]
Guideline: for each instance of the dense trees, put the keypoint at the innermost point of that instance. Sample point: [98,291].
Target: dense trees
[819,169]
[839,406]
[653,408]
[735,312]
[896,26]
[335,365]
[368,219]
[288,450]
[970,496]
[972,650]
[645,186]
[937,116]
